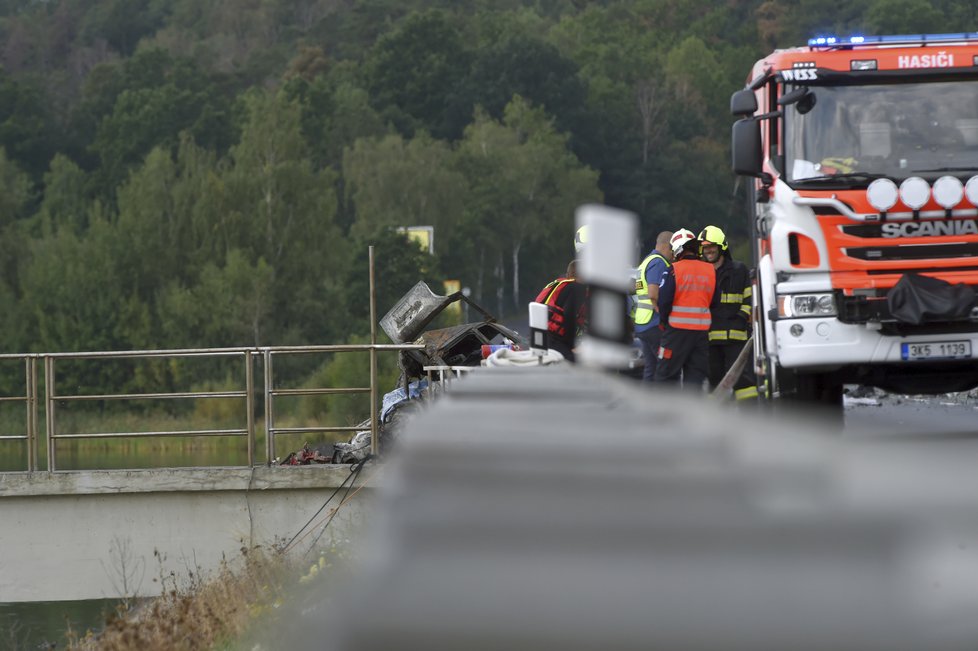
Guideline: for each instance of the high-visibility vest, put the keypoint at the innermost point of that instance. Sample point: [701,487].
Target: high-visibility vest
[644,310]
[556,319]
[695,283]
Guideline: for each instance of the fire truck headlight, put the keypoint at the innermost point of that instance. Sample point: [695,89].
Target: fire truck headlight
[882,194]
[806,305]
[914,191]
[948,191]
[971,190]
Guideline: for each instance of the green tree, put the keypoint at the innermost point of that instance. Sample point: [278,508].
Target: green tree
[16,197]
[122,23]
[904,17]
[75,299]
[393,183]
[348,34]
[530,68]
[336,111]
[693,78]
[74,291]
[16,191]
[168,215]
[163,97]
[28,130]
[231,305]
[282,210]
[399,264]
[525,186]
[804,19]
[414,74]
[66,201]
[620,55]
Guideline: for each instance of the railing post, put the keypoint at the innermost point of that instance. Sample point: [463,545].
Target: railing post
[374,444]
[269,431]
[250,405]
[30,363]
[49,410]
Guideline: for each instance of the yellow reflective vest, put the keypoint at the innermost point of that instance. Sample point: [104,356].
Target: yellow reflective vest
[644,310]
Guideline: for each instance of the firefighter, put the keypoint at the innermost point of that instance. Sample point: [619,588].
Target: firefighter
[685,300]
[730,325]
[648,327]
[565,298]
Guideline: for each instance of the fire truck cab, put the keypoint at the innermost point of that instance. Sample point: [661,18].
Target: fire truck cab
[863,204]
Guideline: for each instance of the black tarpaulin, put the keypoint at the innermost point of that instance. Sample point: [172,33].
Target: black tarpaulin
[923,299]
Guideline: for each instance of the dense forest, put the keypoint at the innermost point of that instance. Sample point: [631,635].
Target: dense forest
[183,173]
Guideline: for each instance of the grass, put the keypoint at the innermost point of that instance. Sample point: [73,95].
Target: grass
[210,614]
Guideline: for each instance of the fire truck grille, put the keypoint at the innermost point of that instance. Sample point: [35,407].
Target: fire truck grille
[920,270]
[863,230]
[914,251]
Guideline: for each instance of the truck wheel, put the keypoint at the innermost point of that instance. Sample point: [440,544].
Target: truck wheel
[819,389]
[820,392]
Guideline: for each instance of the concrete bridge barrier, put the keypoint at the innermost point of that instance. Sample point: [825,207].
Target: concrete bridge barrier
[95,534]
[552,508]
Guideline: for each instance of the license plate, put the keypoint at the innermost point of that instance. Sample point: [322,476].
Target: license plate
[936,350]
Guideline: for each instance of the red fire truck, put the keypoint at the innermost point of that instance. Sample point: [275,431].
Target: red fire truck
[863,158]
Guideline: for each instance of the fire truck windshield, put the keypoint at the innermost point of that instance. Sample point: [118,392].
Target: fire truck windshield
[853,134]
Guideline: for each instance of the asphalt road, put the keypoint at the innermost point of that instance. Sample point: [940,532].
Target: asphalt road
[916,418]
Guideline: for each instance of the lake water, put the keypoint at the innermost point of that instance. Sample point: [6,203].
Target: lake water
[38,625]
[158,452]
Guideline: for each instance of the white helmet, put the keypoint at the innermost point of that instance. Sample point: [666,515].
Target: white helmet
[580,238]
[679,239]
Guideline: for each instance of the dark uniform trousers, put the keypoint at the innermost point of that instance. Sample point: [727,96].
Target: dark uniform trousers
[650,340]
[722,357]
[684,354]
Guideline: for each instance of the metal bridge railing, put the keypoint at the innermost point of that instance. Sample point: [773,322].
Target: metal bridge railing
[53,397]
[271,392]
[29,398]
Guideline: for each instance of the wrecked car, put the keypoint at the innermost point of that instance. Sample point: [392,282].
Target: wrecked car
[460,345]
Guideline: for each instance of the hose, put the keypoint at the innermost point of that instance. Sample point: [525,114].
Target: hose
[507,357]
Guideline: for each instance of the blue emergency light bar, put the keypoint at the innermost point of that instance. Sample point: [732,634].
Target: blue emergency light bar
[848,41]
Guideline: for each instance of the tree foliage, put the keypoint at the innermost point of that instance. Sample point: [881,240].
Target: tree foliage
[176,173]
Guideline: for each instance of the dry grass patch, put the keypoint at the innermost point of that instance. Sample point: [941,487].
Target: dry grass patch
[203,614]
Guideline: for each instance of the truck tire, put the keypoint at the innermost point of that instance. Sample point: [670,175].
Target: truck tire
[820,393]
[819,389]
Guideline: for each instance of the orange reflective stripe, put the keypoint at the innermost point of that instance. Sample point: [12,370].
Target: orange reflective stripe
[693,316]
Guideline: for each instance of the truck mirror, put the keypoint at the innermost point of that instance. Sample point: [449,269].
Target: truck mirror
[746,147]
[792,96]
[803,97]
[806,104]
[743,102]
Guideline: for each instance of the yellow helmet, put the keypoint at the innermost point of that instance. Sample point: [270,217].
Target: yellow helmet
[714,235]
[580,238]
